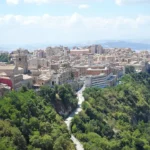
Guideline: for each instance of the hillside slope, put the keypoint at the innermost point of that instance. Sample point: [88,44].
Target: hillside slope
[116,118]
[29,122]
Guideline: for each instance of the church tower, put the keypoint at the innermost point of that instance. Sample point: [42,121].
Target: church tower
[21,61]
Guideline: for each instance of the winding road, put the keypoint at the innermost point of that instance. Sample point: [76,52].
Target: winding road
[79,146]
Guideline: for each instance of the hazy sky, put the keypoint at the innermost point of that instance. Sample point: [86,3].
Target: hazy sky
[67,21]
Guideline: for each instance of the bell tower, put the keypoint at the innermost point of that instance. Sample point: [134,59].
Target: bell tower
[21,61]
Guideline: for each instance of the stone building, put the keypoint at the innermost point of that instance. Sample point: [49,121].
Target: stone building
[39,53]
[36,63]
[96,49]
[20,60]
[79,51]
[62,76]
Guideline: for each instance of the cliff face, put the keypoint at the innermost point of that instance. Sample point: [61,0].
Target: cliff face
[62,109]
[62,98]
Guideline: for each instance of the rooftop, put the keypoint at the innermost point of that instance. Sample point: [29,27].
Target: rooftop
[78,50]
[7,67]
[26,77]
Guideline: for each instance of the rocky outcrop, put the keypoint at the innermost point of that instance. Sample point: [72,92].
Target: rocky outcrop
[62,109]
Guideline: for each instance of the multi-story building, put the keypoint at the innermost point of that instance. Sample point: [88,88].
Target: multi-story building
[96,49]
[79,52]
[95,65]
[36,63]
[101,80]
[50,51]
[62,76]
[98,70]
[39,53]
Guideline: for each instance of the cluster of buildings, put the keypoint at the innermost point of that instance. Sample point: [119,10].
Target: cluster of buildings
[93,66]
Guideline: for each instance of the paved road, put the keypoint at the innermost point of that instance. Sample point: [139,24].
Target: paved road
[79,146]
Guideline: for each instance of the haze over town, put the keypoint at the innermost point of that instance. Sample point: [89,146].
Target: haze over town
[25,22]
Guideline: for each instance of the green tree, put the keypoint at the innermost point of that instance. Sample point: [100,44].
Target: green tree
[116,118]
[129,69]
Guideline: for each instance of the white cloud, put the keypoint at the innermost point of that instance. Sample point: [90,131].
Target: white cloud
[49,1]
[125,2]
[83,6]
[118,2]
[15,2]
[37,1]
[59,1]
[32,29]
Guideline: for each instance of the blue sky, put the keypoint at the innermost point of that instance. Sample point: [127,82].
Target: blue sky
[71,21]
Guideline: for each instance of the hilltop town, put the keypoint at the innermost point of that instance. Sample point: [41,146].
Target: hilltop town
[93,66]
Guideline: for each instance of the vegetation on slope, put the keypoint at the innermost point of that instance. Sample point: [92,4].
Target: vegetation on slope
[129,69]
[116,118]
[4,58]
[61,97]
[29,122]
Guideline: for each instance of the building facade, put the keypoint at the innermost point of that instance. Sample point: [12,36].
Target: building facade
[101,81]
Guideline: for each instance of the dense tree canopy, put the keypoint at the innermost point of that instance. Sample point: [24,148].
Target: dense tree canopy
[116,118]
[29,122]
[129,69]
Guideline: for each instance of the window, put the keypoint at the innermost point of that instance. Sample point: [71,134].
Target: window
[53,82]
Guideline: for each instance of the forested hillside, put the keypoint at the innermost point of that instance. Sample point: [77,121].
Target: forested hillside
[61,97]
[116,118]
[29,122]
